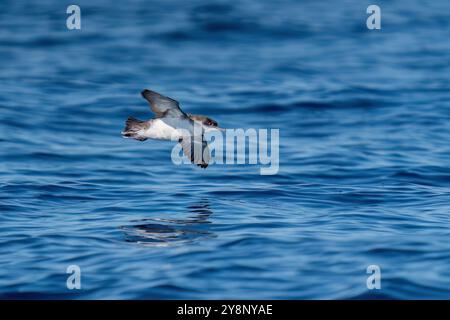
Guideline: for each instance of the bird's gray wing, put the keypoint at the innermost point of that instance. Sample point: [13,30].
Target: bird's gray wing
[196,150]
[162,106]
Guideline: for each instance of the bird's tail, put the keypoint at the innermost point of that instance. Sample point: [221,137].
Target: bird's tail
[135,129]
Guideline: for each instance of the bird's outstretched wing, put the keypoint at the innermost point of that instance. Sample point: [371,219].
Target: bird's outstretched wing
[196,150]
[162,106]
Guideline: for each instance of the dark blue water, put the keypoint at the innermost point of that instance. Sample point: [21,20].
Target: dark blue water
[364,150]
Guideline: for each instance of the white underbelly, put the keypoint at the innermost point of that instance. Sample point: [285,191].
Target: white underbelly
[163,129]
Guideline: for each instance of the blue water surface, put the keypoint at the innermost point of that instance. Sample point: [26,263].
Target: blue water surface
[364,173]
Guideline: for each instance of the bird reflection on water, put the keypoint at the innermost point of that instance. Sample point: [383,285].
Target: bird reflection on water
[157,232]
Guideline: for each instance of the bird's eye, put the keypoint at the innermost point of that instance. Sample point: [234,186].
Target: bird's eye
[210,122]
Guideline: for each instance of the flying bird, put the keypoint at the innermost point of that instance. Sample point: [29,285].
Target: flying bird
[169,123]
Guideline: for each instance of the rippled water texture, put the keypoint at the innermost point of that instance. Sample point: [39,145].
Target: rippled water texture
[364,150]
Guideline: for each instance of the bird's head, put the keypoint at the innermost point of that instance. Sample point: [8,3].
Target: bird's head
[207,123]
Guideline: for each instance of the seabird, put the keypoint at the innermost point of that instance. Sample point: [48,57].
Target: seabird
[169,123]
